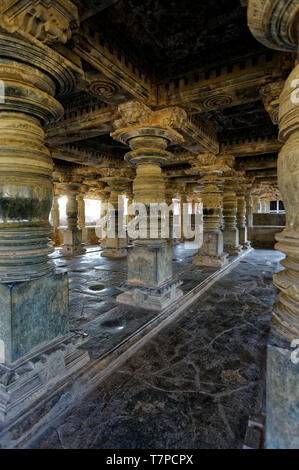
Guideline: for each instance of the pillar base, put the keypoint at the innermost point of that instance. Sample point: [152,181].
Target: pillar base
[150,298]
[282,403]
[234,250]
[210,261]
[72,250]
[246,245]
[36,348]
[72,243]
[25,381]
[114,253]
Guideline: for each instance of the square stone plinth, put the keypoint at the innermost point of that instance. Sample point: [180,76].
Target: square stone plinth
[31,314]
[72,242]
[37,351]
[149,266]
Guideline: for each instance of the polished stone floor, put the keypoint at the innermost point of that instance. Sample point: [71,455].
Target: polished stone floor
[195,384]
[94,283]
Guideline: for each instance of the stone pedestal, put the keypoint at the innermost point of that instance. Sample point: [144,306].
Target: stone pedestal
[150,284]
[211,253]
[230,229]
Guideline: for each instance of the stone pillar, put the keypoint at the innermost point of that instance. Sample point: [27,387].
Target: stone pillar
[150,283]
[183,203]
[36,347]
[230,232]
[130,217]
[241,218]
[211,253]
[56,236]
[81,211]
[249,215]
[249,210]
[256,204]
[81,217]
[103,216]
[275,23]
[72,236]
[116,240]
[169,195]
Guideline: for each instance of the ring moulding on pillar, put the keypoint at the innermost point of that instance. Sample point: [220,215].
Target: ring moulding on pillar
[37,346]
[275,24]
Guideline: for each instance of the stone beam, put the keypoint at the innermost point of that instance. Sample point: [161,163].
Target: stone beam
[206,91]
[82,124]
[257,163]
[252,146]
[78,155]
[112,64]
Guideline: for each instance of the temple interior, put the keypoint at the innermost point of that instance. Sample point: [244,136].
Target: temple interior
[122,327]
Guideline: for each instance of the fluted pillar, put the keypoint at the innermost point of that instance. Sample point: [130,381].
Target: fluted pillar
[35,342]
[241,218]
[72,236]
[275,23]
[211,253]
[230,229]
[150,283]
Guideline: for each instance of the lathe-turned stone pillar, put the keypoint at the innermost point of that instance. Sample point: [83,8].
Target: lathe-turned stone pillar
[249,215]
[36,347]
[183,211]
[275,24]
[241,218]
[211,253]
[55,213]
[81,216]
[256,205]
[150,283]
[81,211]
[249,210]
[72,235]
[103,219]
[230,229]
[169,195]
[116,239]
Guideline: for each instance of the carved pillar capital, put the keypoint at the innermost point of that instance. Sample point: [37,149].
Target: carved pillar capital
[274,23]
[48,21]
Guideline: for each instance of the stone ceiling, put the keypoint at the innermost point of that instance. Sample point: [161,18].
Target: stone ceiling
[198,55]
[171,37]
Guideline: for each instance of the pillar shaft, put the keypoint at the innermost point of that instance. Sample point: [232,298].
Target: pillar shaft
[211,252]
[230,229]
[73,234]
[116,240]
[241,220]
[275,23]
[36,346]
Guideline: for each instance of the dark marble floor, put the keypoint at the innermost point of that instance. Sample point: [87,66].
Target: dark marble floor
[94,283]
[195,384]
